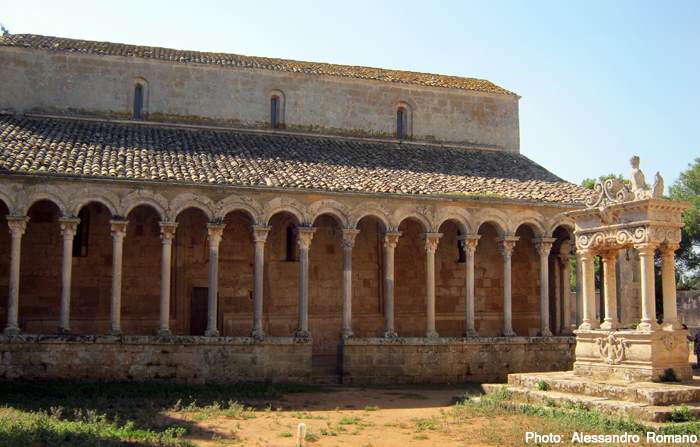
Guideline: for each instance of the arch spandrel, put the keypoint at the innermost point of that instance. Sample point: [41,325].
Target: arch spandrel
[144,197]
[191,200]
[285,204]
[239,203]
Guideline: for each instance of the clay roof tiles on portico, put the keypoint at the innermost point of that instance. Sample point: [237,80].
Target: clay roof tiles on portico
[62,44]
[123,151]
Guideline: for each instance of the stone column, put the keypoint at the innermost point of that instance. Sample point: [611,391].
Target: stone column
[390,241]
[506,245]
[646,265]
[544,246]
[260,233]
[668,283]
[17,225]
[118,228]
[610,322]
[215,231]
[68,228]
[588,320]
[431,243]
[167,234]
[349,236]
[469,243]
[304,237]
[565,293]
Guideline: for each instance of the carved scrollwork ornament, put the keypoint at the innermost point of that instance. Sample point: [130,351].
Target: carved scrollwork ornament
[612,349]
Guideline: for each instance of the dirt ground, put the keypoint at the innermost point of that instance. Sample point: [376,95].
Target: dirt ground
[345,417]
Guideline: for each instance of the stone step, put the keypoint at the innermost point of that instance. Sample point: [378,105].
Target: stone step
[607,406]
[645,392]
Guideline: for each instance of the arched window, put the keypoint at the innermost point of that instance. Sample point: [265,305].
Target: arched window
[403,121]
[138,102]
[275,111]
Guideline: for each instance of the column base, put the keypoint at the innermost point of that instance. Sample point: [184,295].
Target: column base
[509,333]
[63,330]
[302,334]
[609,325]
[546,333]
[11,331]
[258,334]
[390,334]
[115,332]
[671,325]
[211,333]
[347,333]
[585,326]
[432,334]
[164,333]
[469,333]
[648,326]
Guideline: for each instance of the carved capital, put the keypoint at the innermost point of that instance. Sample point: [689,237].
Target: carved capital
[391,239]
[167,231]
[669,249]
[646,248]
[349,235]
[431,241]
[304,237]
[215,232]
[544,245]
[69,225]
[260,233]
[118,228]
[17,225]
[506,245]
[609,255]
[469,243]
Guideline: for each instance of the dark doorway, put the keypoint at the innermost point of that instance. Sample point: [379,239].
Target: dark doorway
[198,310]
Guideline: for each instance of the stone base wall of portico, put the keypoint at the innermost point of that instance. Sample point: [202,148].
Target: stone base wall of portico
[452,360]
[147,358]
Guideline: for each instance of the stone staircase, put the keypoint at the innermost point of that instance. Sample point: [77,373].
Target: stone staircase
[647,401]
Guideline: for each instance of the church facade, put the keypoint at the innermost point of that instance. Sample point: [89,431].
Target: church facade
[198,217]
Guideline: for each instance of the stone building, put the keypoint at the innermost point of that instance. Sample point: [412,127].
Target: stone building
[213,217]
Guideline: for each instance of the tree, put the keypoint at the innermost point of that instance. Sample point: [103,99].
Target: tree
[590,182]
[687,188]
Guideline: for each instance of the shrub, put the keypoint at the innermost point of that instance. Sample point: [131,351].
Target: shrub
[542,385]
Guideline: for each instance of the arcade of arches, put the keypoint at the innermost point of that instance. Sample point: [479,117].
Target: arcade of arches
[321,280]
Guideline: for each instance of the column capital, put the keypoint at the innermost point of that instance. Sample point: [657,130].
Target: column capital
[17,224]
[69,225]
[118,227]
[215,232]
[391,238]
[349,235]
[609,255]
[167,231]
[669,248]
[469,243]
[543,245]
[260,233]
[304,236]
[564,258]
[585,254]
[646,248]
[431,241]
[506,245]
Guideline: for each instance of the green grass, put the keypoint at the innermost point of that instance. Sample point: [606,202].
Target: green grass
[542,385]
[61,413]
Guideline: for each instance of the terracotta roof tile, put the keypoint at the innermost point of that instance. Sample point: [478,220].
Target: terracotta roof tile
[236,60]
[93,149]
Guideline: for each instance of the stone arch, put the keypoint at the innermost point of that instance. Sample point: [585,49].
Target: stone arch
[530,218]
[43,192]
[98,195]
[459,216]
[494,217]
[560,220]
[371,210]
[6,198]
[191,200]
[291,206]
[332,208]
[143,197]
[412,212]
[239,203]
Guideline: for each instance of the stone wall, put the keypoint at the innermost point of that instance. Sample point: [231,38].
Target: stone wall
[689,309]
[452,360]
[141,358]
[103,85]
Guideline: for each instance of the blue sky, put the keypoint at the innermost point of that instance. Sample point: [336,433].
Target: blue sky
[599,81]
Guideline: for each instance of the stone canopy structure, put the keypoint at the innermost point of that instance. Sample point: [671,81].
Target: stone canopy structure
[197,216]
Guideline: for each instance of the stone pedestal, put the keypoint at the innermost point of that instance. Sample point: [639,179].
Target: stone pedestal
[631,355]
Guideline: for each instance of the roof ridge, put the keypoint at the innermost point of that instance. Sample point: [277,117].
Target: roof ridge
[54,43]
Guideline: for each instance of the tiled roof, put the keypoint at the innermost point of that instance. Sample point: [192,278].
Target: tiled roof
[237,60]
[96,149]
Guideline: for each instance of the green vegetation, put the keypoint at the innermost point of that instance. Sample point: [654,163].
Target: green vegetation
[590,182]
[687,188]
[682,414]
[116,414]
[542,385]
